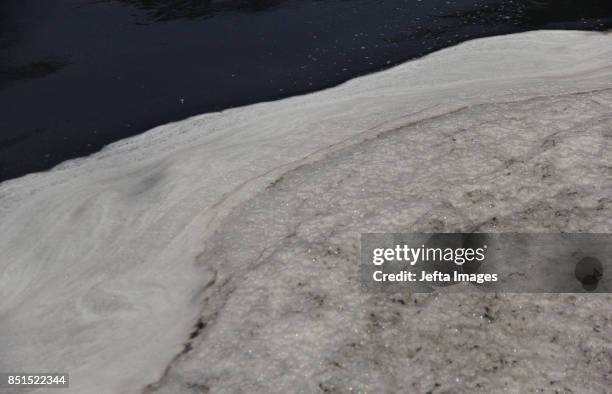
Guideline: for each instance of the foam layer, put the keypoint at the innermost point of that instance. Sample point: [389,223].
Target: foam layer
[101,274]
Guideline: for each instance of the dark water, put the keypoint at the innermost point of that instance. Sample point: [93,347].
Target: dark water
[76,75]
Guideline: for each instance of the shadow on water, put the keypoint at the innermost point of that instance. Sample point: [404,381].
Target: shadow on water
[76,75]
[36,69]
[165,10]
[528,12]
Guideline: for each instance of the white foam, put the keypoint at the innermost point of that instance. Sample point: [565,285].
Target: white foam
[97,256]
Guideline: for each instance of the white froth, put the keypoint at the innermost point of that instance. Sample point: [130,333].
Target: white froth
[98,255]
